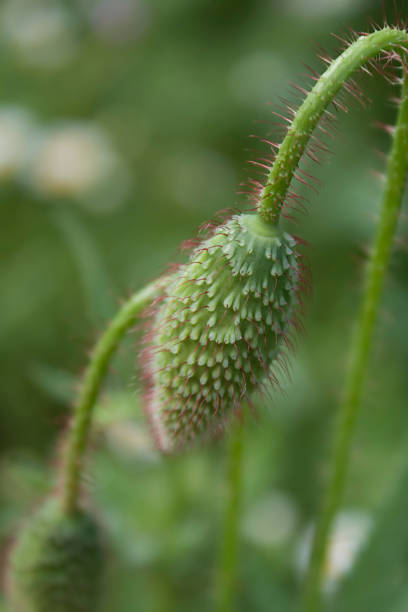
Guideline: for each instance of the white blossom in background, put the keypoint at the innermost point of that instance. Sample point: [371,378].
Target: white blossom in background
[118,20]
[77,161]
[271,521]
[42,34]
[16,128]
[350,532]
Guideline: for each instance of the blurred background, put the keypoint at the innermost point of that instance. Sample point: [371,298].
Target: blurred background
[123,126]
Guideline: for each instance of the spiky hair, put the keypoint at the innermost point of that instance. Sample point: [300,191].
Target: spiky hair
[219,328]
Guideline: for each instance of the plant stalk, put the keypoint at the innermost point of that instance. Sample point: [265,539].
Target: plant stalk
[227,572]
[397,168]
[94,376]
[308,115]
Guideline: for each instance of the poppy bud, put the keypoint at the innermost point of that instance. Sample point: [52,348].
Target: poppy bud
[220,327]
[56,563]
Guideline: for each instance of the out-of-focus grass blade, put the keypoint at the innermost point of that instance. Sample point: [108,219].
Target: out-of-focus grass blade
[26,288]
[97,287]
[58,384]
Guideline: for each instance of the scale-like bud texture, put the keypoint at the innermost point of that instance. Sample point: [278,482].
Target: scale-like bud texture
[56,564]
[219,328]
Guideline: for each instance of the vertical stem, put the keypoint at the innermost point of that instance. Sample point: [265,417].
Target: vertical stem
[227,572]
[361,345]
[93,379]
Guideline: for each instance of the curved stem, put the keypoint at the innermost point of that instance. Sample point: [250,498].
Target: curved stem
[93,379]
[312,109]
[362,341]
[227,571]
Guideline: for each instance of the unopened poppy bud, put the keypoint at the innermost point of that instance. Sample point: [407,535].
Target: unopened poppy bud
[56,563]
[220,328]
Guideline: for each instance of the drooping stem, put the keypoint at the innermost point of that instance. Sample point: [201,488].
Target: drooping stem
[361,346]
[92,382]
[227,571]
[310,112]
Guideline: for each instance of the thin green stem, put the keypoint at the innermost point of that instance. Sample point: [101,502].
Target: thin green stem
[310,112]
[361,346]
[92,382]
[227,572]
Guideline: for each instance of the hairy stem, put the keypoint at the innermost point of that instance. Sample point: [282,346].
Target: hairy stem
[92,382]
[229,548]
[397,168]
[310,112]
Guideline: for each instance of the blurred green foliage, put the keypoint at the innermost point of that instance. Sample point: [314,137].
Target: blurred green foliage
[176,87]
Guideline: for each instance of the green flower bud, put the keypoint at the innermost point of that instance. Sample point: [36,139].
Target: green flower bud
[56,563]
[220,328]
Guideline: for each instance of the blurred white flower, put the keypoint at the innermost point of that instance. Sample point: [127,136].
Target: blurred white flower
[16,127]
[118,20]
[350,533]
[271,521]
[77,161]
[43,34]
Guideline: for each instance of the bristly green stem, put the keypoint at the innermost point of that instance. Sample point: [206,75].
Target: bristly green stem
[271,202]
[310,112]
[397,168]
[270,205]
[93,379]
[227,572]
